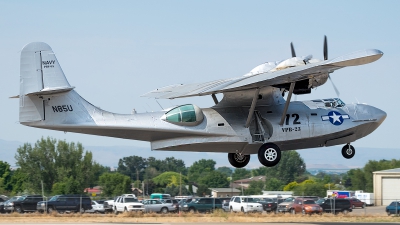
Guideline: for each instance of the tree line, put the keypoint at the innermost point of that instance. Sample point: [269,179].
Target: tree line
[67,168]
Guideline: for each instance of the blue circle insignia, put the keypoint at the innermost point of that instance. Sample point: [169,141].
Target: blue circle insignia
[335,118]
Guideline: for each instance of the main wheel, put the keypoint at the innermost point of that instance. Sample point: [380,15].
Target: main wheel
[50,210]
[269,154]
[348,151]
[238,160]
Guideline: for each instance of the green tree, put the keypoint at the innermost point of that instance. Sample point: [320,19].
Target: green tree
[132,166]
[203,190]
[169,179]
[310,188]
[114,184]
[5,176]
[261,171]
[241,173]
[225,170]
[255,188]
[273,184]
[215,179]
[290,186]
[18,181]
[175,190]
[200,168]
[55,162]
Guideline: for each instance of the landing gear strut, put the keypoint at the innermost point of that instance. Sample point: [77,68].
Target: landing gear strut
[238,160]
[269,154]
[348,151]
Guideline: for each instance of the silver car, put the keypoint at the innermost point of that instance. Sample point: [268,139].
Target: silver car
[154,205]
[97,207]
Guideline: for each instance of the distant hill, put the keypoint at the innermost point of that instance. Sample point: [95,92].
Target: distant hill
[318,158]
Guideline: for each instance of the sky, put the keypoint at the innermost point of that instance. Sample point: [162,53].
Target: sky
[115,51]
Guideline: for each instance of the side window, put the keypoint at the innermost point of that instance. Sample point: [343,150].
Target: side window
[237,200]
[209,201]
[202,201]
[218,201]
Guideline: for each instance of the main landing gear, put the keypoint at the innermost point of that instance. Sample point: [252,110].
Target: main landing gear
[269,154]
[238,160]
[348,151]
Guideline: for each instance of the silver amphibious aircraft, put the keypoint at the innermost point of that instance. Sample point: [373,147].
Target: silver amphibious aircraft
[252,118]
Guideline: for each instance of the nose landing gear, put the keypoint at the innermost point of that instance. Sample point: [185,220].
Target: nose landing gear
[348,151]
[238,160]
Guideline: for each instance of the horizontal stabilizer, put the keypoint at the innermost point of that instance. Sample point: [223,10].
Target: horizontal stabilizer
[50,91]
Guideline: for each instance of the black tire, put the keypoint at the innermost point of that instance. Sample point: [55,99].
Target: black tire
[269,154]
[231,209]
[18,209]
[50,210]
[345,211]
[125,210]
[115,211]
[238,160]
[292,211]
[164,210]
[348,151]
[192,210]
[242,209]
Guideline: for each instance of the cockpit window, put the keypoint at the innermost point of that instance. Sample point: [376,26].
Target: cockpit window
[332,102]
[185,115]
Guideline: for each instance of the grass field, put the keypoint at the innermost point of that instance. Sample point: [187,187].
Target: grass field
[187,218]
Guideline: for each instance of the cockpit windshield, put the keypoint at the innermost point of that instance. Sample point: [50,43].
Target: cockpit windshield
[331,102]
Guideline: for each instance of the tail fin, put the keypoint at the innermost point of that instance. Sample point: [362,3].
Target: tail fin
[40,75]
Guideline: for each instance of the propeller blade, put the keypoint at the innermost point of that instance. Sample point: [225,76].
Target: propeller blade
[325,48]
[292,48]
[334,87]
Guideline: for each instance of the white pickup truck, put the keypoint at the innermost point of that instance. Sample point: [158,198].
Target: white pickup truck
[127,203]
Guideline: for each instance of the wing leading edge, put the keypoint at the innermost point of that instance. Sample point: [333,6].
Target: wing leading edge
[269,78]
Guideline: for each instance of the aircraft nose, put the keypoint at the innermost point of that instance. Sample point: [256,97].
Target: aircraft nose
[380,115]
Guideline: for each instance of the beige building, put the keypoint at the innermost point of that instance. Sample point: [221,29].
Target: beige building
[224,192]
[386,184]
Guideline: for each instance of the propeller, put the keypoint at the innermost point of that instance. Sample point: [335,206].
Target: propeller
[326,58]
[292,48]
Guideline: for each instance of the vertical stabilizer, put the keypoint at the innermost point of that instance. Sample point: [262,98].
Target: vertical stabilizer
[40,74]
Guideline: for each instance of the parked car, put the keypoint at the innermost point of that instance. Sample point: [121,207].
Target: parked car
[128,203]
[244,204]
[108,205]
[155,205]
[97,207]
[225,206]
[354,202]
[160,196]
[26,203]
[286,205]
[202,205]
[305,206]
[3,198]
[8,205]
[65,203]
[269,204]
[335,205]
[174,202]
[393,208]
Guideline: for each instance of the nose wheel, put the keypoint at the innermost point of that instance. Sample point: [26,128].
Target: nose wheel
[348,151]
[269,154]
[238,160]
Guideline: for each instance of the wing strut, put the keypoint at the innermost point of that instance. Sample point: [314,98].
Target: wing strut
[214,98]
[252,107]
[287,102]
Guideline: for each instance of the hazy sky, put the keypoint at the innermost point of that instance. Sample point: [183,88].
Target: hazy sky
[115,51]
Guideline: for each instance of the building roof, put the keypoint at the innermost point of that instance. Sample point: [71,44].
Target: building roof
[225,190]
[396,170]
[248,180]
